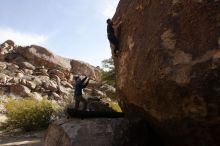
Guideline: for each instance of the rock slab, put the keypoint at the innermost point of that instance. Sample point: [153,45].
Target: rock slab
[77,132]
[99,132]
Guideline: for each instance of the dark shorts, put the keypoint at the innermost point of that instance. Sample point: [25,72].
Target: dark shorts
[113,39]
[79,98]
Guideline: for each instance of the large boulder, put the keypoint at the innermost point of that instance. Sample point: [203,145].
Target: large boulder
[79,67]
[56,72]
[3,66]
[3,78]
[27,65]
[98,132]
[20,90]
[3,52]
[109,90]
[56,96]
[5,48]
[38,80]
[66,84]
[37,96]
[41,56]
[31,84]
[50,85]
[168,67]
[9,43]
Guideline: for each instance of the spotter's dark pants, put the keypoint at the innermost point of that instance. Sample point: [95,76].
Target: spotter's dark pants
[79,99]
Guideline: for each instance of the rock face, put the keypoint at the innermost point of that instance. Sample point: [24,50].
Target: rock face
[98,132]
[168,67]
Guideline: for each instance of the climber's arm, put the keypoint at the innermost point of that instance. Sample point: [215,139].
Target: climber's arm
[83,80]
[84,86]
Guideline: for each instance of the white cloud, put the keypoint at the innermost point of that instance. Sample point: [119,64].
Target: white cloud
[109,8]
[21,38]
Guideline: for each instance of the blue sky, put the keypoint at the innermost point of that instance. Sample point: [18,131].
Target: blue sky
[70,28]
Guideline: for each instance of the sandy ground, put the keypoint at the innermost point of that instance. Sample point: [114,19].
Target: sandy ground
[19,138]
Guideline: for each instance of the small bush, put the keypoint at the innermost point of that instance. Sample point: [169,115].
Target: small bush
[29,114]
[115,106]
[108,73]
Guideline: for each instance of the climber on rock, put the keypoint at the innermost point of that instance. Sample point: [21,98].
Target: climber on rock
[111,32]
[79,85]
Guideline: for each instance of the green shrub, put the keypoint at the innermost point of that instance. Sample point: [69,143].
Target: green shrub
[108,73]
[29,114]
[115,106]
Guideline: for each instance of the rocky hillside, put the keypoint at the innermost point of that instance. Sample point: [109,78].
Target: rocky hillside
[168,68]
[35,71]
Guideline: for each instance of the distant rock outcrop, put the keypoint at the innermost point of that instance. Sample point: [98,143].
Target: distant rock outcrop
[78,67]
[168,68]
[34,70]
[42,57]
